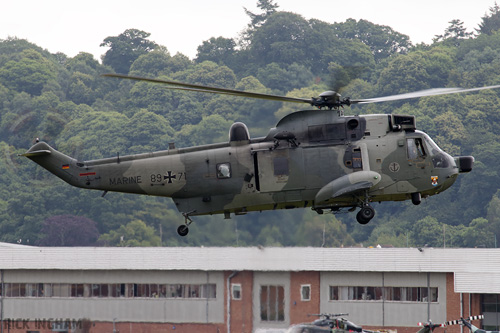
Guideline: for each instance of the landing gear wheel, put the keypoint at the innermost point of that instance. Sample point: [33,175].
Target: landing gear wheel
[182,230]
[416,198]
[365,214]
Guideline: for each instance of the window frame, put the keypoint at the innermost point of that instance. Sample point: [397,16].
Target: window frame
[234,286]
[302,288]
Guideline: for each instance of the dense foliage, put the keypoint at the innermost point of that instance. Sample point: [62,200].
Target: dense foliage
[66,102]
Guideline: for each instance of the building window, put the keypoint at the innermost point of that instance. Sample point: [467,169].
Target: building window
[77,290]
[61,290]
[305,292]
[110,290]
[272,303]
[394,294]
[208,291]
[236,291]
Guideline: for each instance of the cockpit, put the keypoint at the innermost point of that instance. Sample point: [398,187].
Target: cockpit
[422,146]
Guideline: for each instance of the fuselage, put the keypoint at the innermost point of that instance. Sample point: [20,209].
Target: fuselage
[288,168]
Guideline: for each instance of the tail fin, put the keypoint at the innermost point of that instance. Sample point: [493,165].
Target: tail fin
[33,153]
[54,161]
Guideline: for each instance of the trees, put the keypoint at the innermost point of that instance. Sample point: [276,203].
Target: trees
[415,71]
[219,50]
[65,101]
[281,39]
[134,233]
[125,48]
[256,20]
[29,72]
[490,23]
[152,63]
[382,40]
[454,32]
[69,230]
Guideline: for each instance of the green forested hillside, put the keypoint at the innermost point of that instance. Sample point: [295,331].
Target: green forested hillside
[66,102]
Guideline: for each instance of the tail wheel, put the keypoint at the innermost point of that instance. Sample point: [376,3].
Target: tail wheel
[182,230]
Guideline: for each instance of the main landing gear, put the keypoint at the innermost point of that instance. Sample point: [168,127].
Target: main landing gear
[365,214]
[183,229]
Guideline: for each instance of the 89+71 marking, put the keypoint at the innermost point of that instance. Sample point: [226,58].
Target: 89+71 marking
[169,177]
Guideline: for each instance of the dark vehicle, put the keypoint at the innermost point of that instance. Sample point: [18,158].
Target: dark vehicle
[308,328]
[328,323]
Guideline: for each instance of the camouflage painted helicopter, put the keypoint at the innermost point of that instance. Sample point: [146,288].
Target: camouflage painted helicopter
[327,323]
[429,327]
[320,159]
[467,322]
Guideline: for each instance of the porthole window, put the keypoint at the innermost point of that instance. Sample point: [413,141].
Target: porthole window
[223,170]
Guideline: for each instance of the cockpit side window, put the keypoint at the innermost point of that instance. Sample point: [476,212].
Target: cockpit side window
[438,157]
[416,150]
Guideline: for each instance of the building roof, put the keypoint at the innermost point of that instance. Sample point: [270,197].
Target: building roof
[476,270]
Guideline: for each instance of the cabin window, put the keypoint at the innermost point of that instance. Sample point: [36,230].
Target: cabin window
[335,131]
[281,166]
[223,170]
[416,149]
[327,132]
[316,133]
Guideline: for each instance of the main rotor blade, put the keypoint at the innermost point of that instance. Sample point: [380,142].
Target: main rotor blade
[421,93]
[213,90]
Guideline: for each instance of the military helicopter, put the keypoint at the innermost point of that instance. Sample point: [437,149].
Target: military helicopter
[467,322]
[316,158]
[337,321]
[429,327]
[327,323]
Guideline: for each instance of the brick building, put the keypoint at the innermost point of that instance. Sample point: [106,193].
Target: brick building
[242,289]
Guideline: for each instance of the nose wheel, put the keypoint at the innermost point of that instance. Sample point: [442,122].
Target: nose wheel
[365,214]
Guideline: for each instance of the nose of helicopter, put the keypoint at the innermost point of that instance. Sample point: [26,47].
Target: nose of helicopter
[459,164]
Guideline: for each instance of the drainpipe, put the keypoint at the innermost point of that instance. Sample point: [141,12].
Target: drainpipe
[429,296]
[461,311]
[233,274]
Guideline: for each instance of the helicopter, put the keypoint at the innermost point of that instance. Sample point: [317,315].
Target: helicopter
[327,323]
[317,158]
[467,322]
[429,326]
[337,321]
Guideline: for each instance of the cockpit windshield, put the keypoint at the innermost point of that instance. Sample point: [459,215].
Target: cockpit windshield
[439,157]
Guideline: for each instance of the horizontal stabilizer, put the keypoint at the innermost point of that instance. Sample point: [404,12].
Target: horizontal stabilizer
[36,153]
